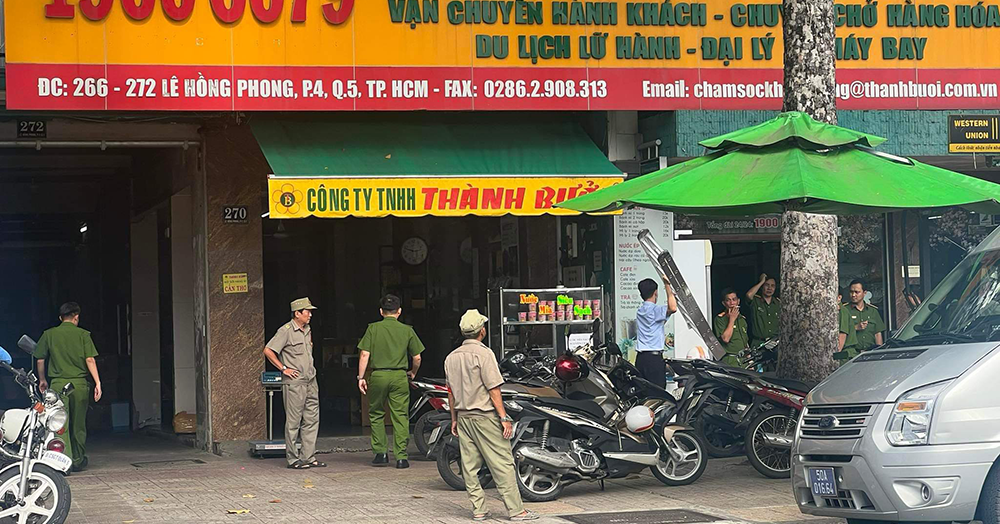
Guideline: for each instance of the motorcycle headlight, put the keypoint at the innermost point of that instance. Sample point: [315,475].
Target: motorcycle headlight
[910,422]
[56,420]
[50,397]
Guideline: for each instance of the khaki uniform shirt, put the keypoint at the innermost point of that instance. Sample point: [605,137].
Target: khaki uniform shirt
[67,347]
[472,371]
[863,340]
[765,318]
[295,350]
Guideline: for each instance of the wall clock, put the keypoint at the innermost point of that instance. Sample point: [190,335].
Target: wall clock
[414,251]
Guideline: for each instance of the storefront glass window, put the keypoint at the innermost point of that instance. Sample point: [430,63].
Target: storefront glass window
[861,255]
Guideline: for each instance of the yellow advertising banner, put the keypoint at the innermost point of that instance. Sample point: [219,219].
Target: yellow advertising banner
[322,55]
[339,197]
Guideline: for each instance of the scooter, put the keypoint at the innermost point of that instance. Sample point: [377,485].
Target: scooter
[558,441]
[33,487]
[525,376]
[736,407]
[433,393]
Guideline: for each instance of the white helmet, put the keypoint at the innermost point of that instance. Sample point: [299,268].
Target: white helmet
[639,419]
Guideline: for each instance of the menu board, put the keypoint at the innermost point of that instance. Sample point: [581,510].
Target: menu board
[632,266]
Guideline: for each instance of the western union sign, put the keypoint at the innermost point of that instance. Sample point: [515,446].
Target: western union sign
[974,134]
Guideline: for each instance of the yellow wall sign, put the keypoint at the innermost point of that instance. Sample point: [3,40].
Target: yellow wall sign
[235,283]
[322,55]
[337,197]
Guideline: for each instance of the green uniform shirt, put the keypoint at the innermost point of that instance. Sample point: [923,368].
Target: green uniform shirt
[739,341]
[389,341]
[860,340]
[764,318]
[67,347]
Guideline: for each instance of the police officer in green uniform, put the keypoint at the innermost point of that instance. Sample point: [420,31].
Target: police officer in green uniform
[386,346]
[765,311]
[71,354]
[731,327]
[861,325]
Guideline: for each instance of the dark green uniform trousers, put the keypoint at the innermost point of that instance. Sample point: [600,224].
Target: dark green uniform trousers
[76,403]
[391,385]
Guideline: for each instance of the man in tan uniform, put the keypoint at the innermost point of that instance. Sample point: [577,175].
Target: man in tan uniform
[479,420]
[290,350]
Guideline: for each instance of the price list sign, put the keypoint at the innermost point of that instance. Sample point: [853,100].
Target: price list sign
[632,266]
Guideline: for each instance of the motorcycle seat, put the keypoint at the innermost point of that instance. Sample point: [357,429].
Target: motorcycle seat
[585,406]
[796,385]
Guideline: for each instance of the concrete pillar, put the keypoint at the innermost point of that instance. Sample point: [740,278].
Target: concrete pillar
[623,130]
[145,338]
[228,349]
[182,282]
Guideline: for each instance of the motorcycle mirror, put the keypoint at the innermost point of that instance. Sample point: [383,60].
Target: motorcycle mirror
[598,333]
[68,388]
[27,344]
[4,356]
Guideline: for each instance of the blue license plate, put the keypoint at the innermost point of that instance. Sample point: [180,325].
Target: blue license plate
[823,482]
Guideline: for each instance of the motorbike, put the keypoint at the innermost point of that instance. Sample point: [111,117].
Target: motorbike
[433,393]
[624,429]
[524,375]
[762,359]
[769,435]
[738,410]
[716,402]
[33,487]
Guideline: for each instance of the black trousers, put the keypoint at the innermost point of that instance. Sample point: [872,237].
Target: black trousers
[652,367]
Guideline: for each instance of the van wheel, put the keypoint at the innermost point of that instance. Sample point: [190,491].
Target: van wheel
[988,510]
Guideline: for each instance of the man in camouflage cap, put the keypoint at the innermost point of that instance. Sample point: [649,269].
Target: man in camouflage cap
[290,350]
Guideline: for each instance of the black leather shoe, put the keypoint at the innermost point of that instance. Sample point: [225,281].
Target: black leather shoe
[402,464]
[381,459]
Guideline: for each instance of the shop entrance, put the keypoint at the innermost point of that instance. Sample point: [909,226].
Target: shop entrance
[438,266]
[100,226]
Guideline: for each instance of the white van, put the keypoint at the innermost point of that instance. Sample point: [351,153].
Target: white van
[911,431]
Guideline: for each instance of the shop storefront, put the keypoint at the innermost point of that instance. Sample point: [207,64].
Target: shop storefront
[440,210]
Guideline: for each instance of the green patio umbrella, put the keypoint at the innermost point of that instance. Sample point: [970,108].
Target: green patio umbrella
[794,162]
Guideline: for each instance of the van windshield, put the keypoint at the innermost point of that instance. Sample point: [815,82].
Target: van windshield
[964,307]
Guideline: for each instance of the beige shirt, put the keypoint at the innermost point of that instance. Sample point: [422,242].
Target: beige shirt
[472,371]
[294,348]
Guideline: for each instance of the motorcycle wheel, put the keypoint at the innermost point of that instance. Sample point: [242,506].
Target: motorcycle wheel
[536,484]
[689,468]
[48,498]
[449,464]
[719,443]
[422,431]
[770,461]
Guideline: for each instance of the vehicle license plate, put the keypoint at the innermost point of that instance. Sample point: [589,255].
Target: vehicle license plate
[434,435]
[59,459]
[823,482]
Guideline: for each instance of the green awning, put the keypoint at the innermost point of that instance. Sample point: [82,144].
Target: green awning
[428,146]
[417,165]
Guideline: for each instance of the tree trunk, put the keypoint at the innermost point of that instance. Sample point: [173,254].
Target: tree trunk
[809,322]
